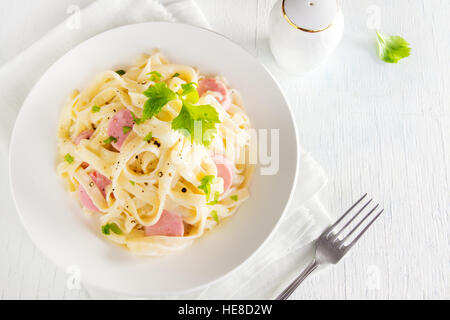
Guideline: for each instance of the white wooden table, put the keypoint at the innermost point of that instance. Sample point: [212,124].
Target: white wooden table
[375,127]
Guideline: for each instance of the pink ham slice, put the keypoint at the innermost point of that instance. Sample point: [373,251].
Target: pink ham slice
[211,84]
[86,200]
[224,171]
[86,134]
[169,224]
[121,119]
[101,182]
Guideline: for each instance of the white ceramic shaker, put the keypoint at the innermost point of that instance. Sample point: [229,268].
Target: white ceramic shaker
[304,33]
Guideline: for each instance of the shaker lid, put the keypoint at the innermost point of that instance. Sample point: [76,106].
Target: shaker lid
[310,15]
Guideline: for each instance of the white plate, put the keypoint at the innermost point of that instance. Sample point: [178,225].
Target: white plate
[54,219]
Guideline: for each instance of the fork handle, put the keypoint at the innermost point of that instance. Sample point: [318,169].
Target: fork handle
[291,288]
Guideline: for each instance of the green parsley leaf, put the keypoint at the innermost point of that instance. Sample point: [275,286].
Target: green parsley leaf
[155,76]
[190,92]
[214,216]
[193,118]
[216,199]
[109,140]
[126,129]
[235,198]
[132,182]
[95,109]
[158,96]
[136,120]
[148,137]
[206,185]
[111,227]
[392,48]
[68,158]
[120,72]
[175,75]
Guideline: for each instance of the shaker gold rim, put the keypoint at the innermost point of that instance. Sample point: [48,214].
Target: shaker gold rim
[298,27]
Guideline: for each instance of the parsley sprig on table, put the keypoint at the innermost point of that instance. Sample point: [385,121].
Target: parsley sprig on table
[392,48]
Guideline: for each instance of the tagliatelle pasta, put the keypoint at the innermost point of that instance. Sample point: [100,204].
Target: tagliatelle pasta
[133,151]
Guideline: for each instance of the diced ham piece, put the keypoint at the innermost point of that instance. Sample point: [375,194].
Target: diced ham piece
[224,171]
[101,182]
[169,224]
[121,119]
[86,200]
[86,134]
[211,84]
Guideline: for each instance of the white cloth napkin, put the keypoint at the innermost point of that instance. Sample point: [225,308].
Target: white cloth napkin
[288,250]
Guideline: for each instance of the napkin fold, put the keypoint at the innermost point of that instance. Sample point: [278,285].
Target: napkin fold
[289,248]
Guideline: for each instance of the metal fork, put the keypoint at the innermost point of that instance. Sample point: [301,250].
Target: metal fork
[329,248]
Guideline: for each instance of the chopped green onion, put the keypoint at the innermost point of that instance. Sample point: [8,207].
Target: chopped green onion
[206,185]
[136,119]
[111,227]
[109,140]
[120,72]
[155,76]
[235,198]
[132,182]
[95,109]
[214,216]
[68,158]
[126,129]
[148,137]
[176,75]
[216,199]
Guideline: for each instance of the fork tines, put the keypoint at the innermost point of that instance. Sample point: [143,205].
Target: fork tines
[351,223]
